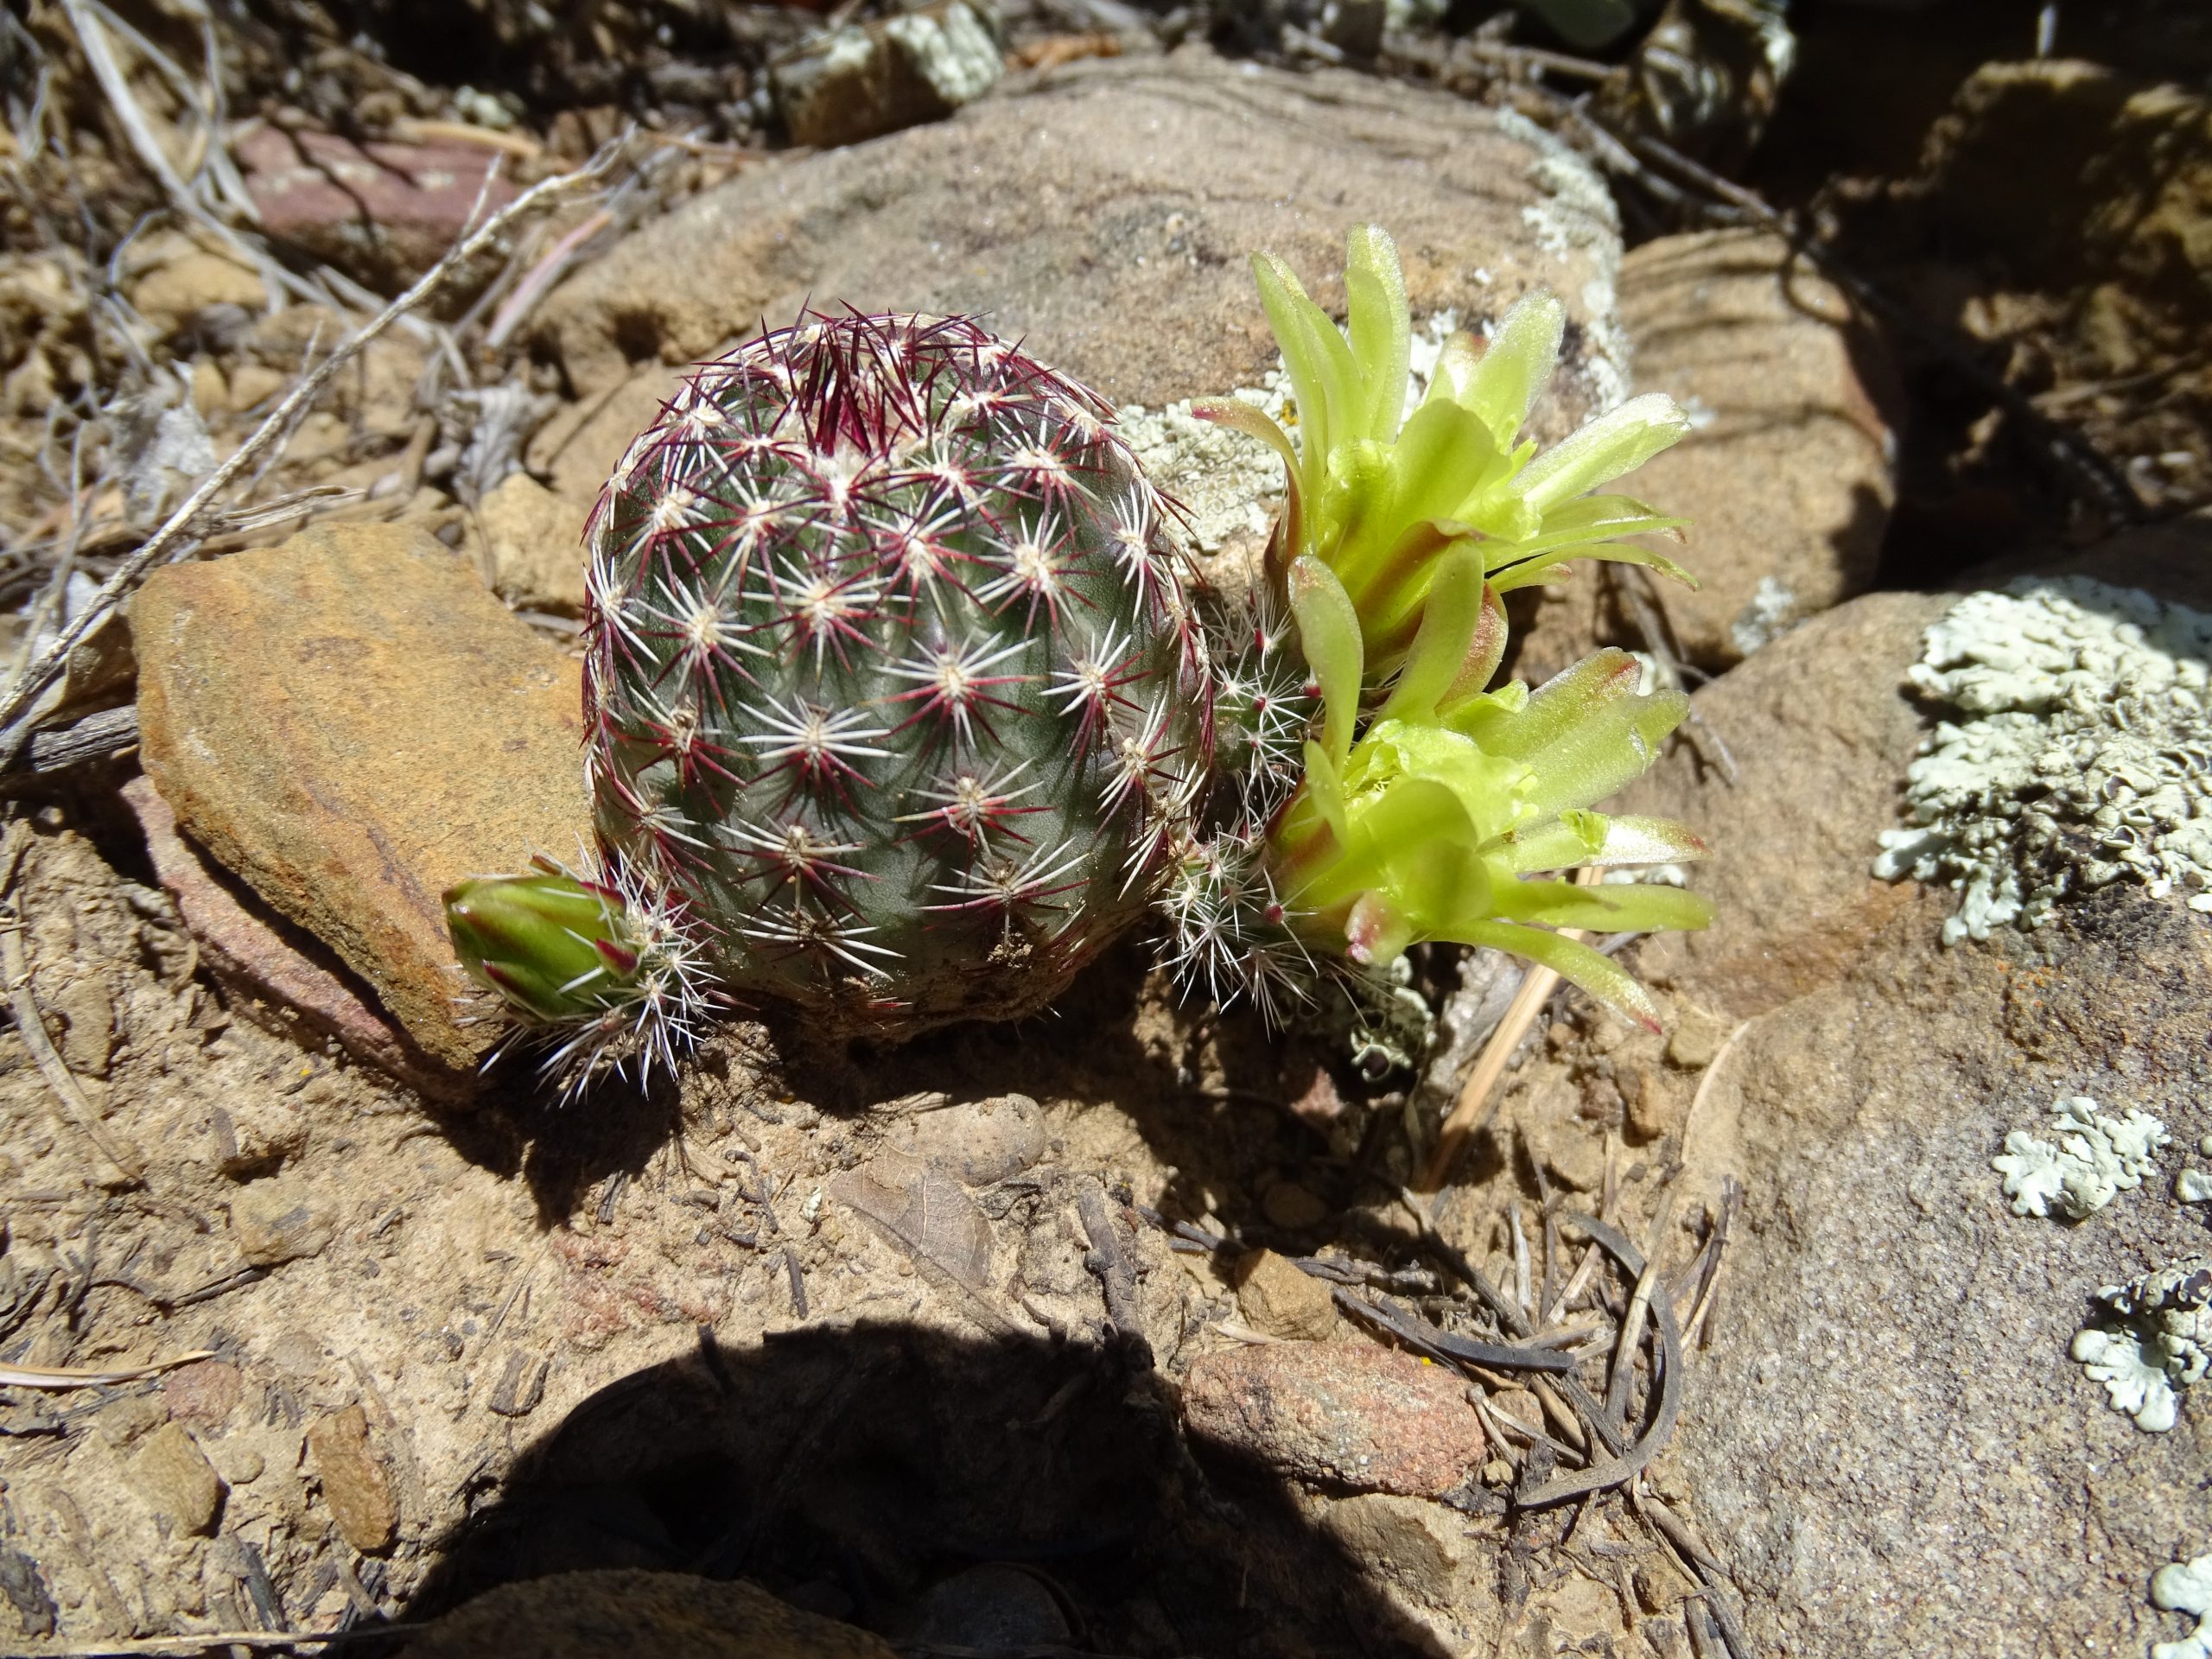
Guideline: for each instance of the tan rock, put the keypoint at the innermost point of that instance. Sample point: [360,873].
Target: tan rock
[1274,1296]
[1100,244]
[236,1463]
[1290,1205]
[978,1142]
[1696,1040]
[620,1614]
[278,976]
[580,447]
[211,392]
[131,1420]
[353,723]
[1421,1545]
[253,384]
[356,1489]
[170,1473]
[1371,1419]
[276,1221]
[853,82]
[177,275]
[204,1394]
[1788,473]
[536,541]
[85,1004]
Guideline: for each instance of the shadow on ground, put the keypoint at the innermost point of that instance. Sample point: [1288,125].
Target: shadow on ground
[989,1495]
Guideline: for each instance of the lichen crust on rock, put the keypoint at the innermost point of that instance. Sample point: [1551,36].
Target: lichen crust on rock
[2153,1338]
[2093,1159]
[2081,755]
[892,686]
[2185,1587]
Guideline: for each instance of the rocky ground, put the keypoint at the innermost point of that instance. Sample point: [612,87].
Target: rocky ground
[1131,1329]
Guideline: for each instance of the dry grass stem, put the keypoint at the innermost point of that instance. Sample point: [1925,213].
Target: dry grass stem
[1639,1303]
[1706,1080]
[176,531]
[72,1376]
[183,1646]
[1471,1112]
[32,1024]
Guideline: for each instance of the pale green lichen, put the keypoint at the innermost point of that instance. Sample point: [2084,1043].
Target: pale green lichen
[2185,1587]
[2194,1185]
[2153,1340]
[2093,1159]
[2083,756]
[1772,612]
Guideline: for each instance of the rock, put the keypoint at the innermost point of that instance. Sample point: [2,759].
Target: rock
[238,1464]
[1289,1205]
[202,1394]
[1695,1041]
[174,1477]
[385,211]
[256,1136]
[1274,1296]
[355,1488]
[89,1011]
[174,275]
[1888,1370]
[353,723]
[978,1142]
[994,1605]
[24,1586]
[537,543]
[277,974]
[1797,897]
[618,1614]
[1372,1419]
[856,82]
[276,1221]
[130,1419]
[579,448]
[1410,1542]
[1787,474]
[2082,192]
[1101,245]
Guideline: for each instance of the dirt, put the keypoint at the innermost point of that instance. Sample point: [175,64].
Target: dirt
[413,1321]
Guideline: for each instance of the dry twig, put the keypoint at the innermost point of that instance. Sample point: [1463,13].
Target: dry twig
[32,1025]
[75,1376]
[1473,1109]
[175,534]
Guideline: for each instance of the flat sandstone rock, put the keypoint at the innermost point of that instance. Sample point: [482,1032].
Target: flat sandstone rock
[1106,220]
[352,723]
[1788,473]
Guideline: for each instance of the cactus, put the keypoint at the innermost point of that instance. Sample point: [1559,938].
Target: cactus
[895,706]
[898,711]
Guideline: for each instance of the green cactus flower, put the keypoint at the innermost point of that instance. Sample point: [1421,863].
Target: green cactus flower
[1380,496]
[1440,821]
[1431,808]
